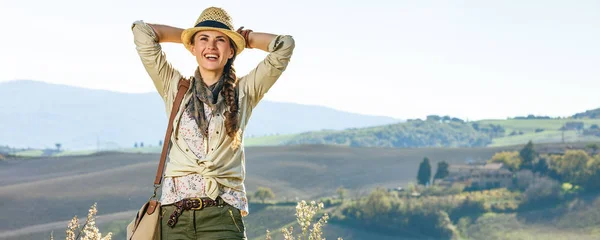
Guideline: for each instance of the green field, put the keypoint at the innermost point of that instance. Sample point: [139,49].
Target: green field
[155,149]
[39,153]
[268,140]
[29,153]
[551,133]
[74,153]
[529,125]
[544,137]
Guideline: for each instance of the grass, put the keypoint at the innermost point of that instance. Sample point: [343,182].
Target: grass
[29,153]
[529,125]
[268,140]
[550,134]
[75,153]
[155,149]
[64,153]
[542,137]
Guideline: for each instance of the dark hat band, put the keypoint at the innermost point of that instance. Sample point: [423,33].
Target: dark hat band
[211,23]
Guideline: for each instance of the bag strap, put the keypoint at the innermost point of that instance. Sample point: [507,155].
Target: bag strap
[182,88]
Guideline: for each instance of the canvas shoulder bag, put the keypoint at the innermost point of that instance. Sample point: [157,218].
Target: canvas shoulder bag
[146,224]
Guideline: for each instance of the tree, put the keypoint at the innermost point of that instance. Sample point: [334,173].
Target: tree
[424,174]
[141,144]
[510,159]
[527,155]
[445,228]
[497,130]
[342,193]
[542,191]
[442,170]
[135,145]
[457,120]
[541,167]
[264,193]
[434,118]
[594,147]
[593,183]
[58,145]
[378,203]
[573,166]
[160,143]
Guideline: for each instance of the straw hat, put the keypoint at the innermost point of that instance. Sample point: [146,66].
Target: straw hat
[214,18]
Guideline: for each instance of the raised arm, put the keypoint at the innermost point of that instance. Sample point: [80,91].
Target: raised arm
[167,33]
[147,39]
[261,79]
[260,40]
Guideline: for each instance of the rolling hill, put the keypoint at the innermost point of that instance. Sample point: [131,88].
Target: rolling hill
[39,191]
[41,194]
[589,114]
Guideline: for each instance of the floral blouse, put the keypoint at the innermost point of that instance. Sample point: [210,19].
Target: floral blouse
[192,185]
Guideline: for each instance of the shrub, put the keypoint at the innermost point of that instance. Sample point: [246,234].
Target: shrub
[543,190]
[88,231]
[304,216]
[524,178]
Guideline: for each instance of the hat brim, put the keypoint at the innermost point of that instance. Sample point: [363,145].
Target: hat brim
[238,39]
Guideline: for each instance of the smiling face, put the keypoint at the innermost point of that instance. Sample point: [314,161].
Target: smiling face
[212,49]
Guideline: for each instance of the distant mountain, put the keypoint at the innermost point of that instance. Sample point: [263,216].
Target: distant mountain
[593,114]
[286,118]
[39,115]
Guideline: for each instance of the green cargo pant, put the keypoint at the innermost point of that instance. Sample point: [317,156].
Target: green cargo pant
[209,223]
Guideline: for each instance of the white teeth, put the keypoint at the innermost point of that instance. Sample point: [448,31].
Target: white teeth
[211,56]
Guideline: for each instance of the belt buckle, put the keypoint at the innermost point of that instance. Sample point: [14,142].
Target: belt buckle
[201,203]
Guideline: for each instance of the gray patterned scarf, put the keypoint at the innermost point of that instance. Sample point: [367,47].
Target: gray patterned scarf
[201,93]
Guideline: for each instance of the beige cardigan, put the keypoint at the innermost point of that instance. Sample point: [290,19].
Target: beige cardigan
[222,164]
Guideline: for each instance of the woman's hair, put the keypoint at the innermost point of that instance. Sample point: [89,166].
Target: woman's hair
[231,100]
[228,92]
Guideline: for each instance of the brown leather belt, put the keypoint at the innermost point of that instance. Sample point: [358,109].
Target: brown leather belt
[193,204]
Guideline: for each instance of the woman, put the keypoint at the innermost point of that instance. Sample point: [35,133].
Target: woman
[203,192]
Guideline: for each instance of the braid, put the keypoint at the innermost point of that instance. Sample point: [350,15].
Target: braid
[231,116]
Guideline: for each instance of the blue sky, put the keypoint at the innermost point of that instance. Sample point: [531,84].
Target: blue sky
[405,59]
